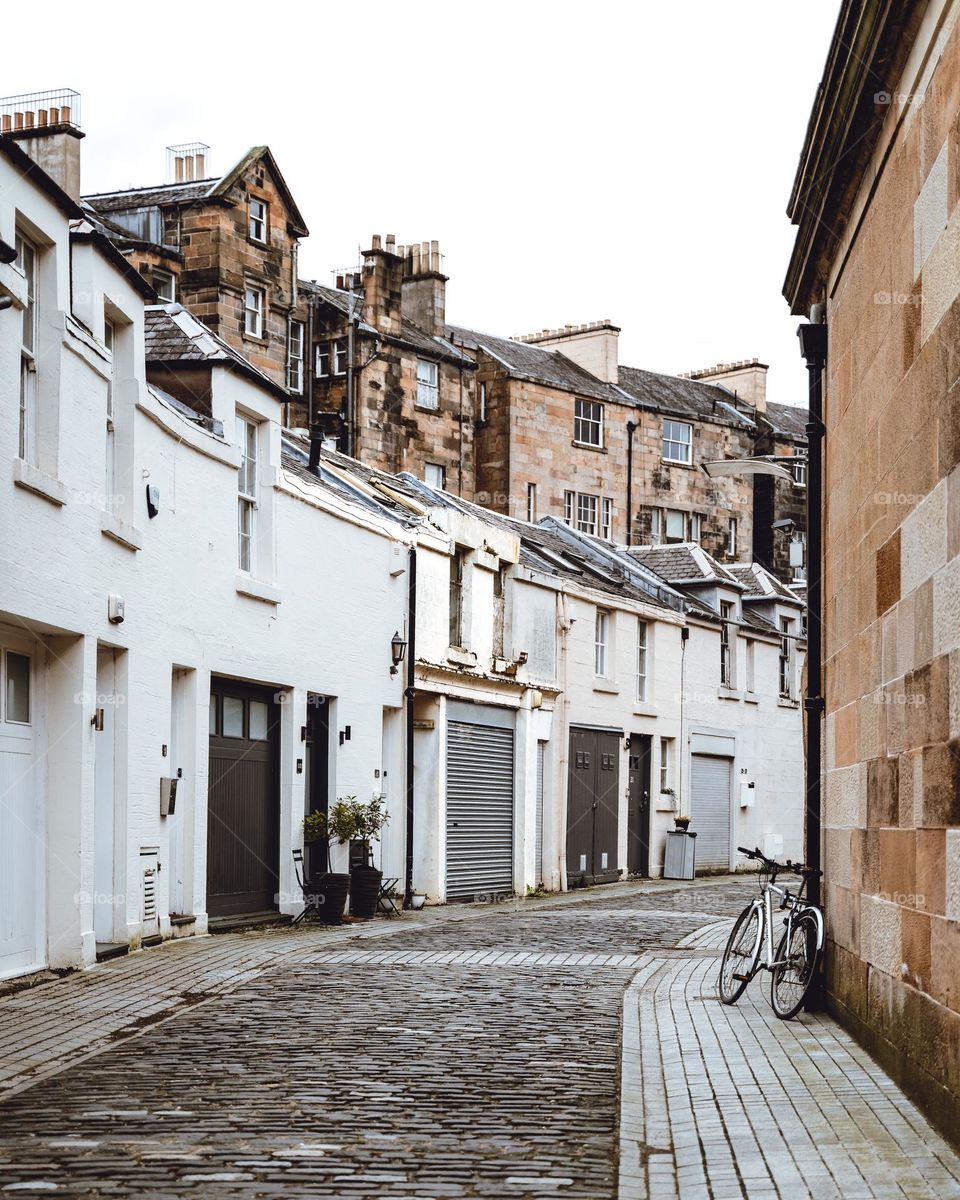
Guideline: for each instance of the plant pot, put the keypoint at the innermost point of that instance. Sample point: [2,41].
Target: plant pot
[681,823]
[331,892]
[364,890]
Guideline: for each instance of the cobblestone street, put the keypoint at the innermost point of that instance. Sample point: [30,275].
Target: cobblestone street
[465,1052]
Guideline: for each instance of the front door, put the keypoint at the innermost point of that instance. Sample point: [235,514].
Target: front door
[104,803]
[22,878]
[243,813]
[317,789]
[638,818]
[592,806]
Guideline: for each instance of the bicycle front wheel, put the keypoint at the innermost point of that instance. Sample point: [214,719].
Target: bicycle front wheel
[796,967]
[740,957]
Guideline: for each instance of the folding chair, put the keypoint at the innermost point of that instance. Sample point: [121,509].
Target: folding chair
[387,898]
[311,899]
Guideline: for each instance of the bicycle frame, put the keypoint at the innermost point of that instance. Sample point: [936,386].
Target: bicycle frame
[764,904]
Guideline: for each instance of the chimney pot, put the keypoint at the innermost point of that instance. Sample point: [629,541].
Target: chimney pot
[65,114]
[7,122]
[375,242]
[201,166]
[18,120]
[41,116]
[54,116]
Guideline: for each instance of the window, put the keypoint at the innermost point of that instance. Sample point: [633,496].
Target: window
[677,441]
[110,473]
[600,643]
[588,423]
[27,263]
[674,525]
[726,663]
[428,386]
[655,527]
[751,680]
[259,713]
[456,598]
[606,519]
[641,660]
[694,522]
[732,537]
[482,403]
[295,357]
[247,489]
[253,299]
[666,747]
[340,356]
[165,285]
[258,220]
[569,499]
[799,467]
[232,716]
[531,502]
[323,360]
[586,513]
[786,626]
[435,475]
[17,704]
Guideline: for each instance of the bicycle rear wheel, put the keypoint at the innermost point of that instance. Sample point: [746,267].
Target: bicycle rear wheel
[796,967]
[740,955]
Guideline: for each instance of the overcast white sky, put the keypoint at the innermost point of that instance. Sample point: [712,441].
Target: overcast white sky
[575,161]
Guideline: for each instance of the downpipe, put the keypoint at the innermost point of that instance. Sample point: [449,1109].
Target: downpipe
[409,697]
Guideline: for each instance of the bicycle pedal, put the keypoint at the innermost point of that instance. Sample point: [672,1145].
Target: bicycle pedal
[741,978]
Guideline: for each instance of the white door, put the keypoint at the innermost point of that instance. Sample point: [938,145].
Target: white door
[104,790]
[711,811]
[22,876]
[179,766]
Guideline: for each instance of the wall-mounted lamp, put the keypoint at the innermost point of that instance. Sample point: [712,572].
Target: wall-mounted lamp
[398,648]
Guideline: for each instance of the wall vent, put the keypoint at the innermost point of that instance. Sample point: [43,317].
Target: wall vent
[150,869]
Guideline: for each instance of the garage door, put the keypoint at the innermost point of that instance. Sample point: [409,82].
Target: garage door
[21,842]
[710,818]
[479,811]
[243,816]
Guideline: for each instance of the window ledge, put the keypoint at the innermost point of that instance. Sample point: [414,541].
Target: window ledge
[464,658]
[786,702]
[608,689]
[260,340]
[589,446]
[120,531]
[435,409]
[644,709]
[256,589]
[725,693]
[34,480]
[751,698]
[672,462]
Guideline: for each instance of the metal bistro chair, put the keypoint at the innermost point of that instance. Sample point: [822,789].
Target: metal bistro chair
[311,898]
[387,897]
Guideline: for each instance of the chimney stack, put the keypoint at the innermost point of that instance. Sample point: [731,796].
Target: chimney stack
[592,346]
[47,126]
[747,378]
[382,281]
[425,288]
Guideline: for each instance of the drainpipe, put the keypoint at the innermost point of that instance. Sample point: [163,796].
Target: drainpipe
[813,347]
[631,430]
[409,695]
[349,405]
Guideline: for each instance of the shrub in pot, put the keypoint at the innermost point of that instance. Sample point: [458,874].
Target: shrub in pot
[363,821]
[330,887]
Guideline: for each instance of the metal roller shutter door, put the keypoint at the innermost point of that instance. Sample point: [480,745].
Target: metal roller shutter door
[710,818]
[479,810]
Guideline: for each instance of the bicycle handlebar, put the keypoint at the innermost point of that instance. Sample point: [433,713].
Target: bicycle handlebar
[799,868]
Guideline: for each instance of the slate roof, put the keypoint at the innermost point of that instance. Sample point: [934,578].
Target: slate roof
[216,187]
[684,563]
[760,584]
[787,419]
[524,360]
[682,397]
[172,334]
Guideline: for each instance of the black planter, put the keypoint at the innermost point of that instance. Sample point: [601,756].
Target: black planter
[364,890]
[331,892]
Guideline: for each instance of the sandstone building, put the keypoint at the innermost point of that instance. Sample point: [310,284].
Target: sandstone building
[875,203]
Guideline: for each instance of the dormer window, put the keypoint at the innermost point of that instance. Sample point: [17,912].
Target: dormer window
[258,221]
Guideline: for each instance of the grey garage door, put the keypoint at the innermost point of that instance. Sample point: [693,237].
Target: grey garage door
[479,811]
[710,816]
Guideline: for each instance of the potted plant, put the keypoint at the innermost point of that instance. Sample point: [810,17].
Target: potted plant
[330,887]
[367,820]
[681,823]
[668,799]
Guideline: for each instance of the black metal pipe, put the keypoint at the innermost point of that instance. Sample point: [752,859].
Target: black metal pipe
[409,695]
[813,347]
[631,430]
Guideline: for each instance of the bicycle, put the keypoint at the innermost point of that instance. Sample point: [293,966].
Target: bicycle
[794,966]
